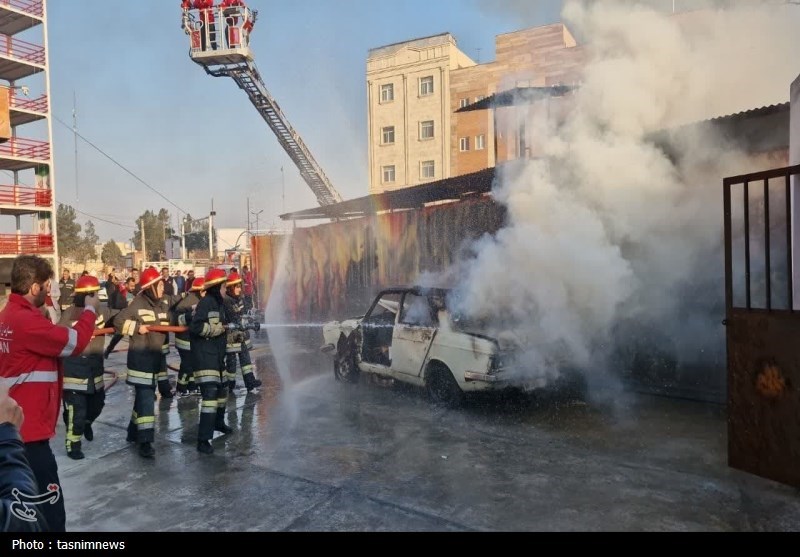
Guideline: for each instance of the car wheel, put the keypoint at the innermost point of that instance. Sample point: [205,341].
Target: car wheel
[443,387]
[344,366]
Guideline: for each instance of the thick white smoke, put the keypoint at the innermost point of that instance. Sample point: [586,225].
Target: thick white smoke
[611,233]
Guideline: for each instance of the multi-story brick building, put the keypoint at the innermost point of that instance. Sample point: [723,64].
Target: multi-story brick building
[469,133]
[26,161]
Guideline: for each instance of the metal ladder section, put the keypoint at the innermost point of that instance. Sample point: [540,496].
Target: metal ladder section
[246,75]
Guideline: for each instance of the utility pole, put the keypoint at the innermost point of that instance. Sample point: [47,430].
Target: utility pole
[248,221]
[183,239]
[75,137]
[211,232]
[144,249]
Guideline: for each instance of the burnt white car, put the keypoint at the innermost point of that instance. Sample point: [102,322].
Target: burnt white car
[408,335]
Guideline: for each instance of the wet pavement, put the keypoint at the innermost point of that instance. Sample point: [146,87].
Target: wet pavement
[310,454]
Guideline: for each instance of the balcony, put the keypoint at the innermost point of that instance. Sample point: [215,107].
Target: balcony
[25,111]
[20,200]
[12,245]
[21,154]
[20,59]
[19,15]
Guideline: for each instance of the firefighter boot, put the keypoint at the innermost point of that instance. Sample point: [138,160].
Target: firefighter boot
[74,451]
[146,450]
[223,428]
[205,447]
[88,433]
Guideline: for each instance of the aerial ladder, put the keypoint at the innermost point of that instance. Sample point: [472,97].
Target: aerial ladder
[220,43]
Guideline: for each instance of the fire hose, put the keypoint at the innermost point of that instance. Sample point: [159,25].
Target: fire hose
[153,328]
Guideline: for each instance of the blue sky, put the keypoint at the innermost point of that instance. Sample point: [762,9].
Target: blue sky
[194,137]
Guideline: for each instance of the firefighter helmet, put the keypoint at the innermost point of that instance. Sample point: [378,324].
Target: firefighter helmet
[150,277]
[214,277]
[233,280]
[87,285]
[197,284]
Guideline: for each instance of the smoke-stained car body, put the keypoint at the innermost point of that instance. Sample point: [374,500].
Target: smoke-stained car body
[409,335]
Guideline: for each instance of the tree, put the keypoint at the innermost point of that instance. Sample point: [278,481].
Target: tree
[86,247]
[156,232]
[68,231]
[112,255]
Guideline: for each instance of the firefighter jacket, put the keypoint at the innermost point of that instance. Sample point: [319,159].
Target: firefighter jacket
[145,351]
[208,340]
[16,474]
[234,309]
[182,316]
[83,373]
[67,288]
[30,348]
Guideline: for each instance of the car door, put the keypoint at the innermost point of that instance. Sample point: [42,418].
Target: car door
[415,330]
[377,330]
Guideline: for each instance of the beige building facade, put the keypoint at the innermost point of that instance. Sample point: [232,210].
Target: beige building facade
[422,126]
[409,118]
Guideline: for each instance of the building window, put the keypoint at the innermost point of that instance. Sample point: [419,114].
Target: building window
[463,103]
[426,86]
[427,170]
[388,135]
[389,174]
[480,142]
[387,93]
[463,144]
[426,129]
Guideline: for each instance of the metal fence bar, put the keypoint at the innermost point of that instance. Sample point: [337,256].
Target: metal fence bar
[790,270]
[749,304]
[767,262]
[726,195]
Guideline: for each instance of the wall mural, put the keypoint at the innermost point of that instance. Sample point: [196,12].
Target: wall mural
[334,270]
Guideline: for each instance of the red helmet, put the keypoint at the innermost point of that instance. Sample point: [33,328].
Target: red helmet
[150,277]
[87,285]
[214,277]
[197,284]
[233,280]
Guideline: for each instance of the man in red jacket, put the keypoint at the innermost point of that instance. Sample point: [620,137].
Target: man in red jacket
[30,349]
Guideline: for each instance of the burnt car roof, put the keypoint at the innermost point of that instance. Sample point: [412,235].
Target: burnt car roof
[419,290]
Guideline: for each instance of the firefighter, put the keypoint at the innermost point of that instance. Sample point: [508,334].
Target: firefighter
[207,333]
[145,356]
[67,288]
[84,389]
[182,316]
[239,342]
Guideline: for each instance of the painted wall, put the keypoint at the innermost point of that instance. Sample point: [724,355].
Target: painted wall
[334,270]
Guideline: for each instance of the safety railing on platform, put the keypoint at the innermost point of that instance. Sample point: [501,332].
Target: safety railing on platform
[33,7]
[20,195]
[18,49]
[13,244]
[219,28]
[32,105]
[26,149]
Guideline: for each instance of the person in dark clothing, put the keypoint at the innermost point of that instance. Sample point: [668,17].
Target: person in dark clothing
[15,473]
[239,343]
[179,282]
[117,303]
[169,285]
[189,281]
[144,357]
[207,332]
[67,287]
[84,388]
[183,314]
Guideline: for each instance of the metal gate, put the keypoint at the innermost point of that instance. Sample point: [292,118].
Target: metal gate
[763,328]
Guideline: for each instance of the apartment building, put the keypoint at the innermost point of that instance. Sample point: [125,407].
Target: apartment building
[410,111]
[433,112]
[27,202]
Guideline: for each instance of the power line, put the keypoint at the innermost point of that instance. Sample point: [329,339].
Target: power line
[112,159]
[95,217]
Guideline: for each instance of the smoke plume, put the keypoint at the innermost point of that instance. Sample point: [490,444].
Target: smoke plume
[614,236]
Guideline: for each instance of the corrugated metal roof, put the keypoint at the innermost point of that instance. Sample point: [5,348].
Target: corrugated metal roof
[761,111]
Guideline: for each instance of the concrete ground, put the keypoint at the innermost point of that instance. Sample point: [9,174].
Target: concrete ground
[309,454]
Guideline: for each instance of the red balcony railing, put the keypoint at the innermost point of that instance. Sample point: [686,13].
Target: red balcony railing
[19,195]
[26,149]
[33,105]
[33,7]
[22,50]
[13,244]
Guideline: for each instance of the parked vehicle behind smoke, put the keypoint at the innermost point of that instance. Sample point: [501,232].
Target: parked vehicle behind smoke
[409,335]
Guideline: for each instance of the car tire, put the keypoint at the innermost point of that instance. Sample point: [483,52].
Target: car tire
[442,387]
[345,368]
